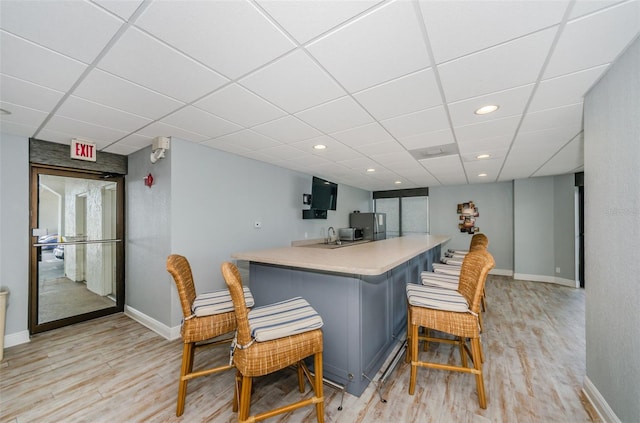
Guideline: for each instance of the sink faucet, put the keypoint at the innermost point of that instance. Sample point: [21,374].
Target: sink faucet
[329,236]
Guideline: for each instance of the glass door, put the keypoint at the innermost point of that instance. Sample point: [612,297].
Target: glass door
[77,250]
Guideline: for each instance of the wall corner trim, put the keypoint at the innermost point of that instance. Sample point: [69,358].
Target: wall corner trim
[169,333]
[598,402]
[16,338]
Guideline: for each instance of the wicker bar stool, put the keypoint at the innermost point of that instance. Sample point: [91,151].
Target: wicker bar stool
[447,274]
[455,313]
[271,338]
[206,316]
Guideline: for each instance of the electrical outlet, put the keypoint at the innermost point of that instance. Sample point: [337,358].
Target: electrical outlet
[557,270]
[257,224]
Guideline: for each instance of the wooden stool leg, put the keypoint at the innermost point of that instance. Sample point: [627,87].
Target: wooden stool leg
[300,377]
[236,391]
[407,357]
[477,364]
[414,358]
[318,388]
[245,398]
[185,368]
[463,353]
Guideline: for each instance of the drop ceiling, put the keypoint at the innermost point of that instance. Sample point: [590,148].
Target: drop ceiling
[379,83]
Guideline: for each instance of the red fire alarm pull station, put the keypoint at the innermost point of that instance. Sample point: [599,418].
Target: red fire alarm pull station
[148,180]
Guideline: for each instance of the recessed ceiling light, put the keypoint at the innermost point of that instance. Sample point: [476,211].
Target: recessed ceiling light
[371,169]
[4,112]
[487,109]
[483,156]
[397,182]
[319,146]
[482,174]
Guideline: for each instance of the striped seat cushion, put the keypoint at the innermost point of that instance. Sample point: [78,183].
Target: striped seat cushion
[443,283]
[286,318]
[451,261]
[217,302]
[436,298]
[446,269]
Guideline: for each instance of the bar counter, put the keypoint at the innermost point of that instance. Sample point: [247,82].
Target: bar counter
[359,290]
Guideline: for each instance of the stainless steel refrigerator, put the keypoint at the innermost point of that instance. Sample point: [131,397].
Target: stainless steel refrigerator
[374,225]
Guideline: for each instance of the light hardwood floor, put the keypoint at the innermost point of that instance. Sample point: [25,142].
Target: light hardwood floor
[115,370]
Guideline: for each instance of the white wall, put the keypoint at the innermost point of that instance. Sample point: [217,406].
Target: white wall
[14,234]
[612,238]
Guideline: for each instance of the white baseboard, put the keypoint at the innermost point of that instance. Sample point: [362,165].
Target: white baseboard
[544,278]
[17,338]
[161,329]
[598,402]
[501,272]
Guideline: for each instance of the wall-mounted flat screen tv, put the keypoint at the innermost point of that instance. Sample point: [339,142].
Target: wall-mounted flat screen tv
[323,194]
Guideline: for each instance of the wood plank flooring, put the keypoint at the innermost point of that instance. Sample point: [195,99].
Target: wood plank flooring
[115,370]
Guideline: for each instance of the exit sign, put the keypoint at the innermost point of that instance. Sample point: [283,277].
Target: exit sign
[83,150]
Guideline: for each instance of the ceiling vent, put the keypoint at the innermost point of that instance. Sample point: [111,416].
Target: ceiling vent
[434,151]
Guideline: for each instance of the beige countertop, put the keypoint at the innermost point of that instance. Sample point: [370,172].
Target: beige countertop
[371,258]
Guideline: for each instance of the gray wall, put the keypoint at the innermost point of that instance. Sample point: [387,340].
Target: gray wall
[495,205]
[14,231]
[612,235]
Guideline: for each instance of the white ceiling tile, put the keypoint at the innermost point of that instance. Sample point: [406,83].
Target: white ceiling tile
[375,48]
[564,90]
[381,149]
[76,29]
[136,141]
[551,118]
[427,139]
[57,137]
[284,152]
[101,135]
[496,147]
[25,60]
[508,65]
[17,129]
[457,28]
[122,8]
[398,160]
[334,150]
[305,20]
[87,111]
[142,59]
[287,129]
[583,7]
[201,122]
[26,94]
[365,134]
[22,115]
[511,102]
[160,129]
[101,87]
[240,106]
[248,139]
[571,155]
[489,129]
[307,84]
[337,115]
[232,37]
[119,148]
[595,39]
[428,120]
[408,94]
[229,147]
[360,164]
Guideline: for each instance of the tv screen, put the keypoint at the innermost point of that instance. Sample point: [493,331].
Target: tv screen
[323,194]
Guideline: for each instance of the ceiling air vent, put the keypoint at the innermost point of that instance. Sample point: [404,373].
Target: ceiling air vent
[434,151]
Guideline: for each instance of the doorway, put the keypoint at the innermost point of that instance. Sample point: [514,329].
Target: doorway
[77,253]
